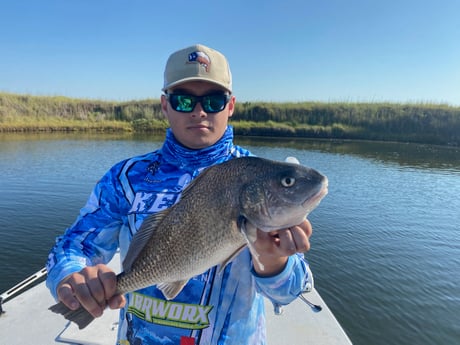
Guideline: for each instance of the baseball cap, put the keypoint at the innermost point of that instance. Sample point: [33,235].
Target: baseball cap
[197,63]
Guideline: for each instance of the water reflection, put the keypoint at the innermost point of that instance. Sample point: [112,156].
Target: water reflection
[403,154]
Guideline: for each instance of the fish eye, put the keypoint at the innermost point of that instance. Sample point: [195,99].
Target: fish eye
[287,181]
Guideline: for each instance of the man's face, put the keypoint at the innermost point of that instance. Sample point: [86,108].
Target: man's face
[197,129]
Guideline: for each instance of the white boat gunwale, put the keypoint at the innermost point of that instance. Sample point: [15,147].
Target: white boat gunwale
[296,324]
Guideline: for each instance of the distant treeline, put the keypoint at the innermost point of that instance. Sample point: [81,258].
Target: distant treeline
[423,123]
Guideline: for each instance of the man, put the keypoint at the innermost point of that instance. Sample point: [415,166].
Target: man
[221,307]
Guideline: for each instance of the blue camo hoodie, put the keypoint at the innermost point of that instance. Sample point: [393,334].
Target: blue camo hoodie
[216,307]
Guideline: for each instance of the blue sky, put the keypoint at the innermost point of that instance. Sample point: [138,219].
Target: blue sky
[293,50]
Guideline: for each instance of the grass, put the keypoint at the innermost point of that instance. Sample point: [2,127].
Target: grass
[50,124]
[420,122]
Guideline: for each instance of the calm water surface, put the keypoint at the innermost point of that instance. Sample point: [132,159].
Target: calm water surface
[386,244]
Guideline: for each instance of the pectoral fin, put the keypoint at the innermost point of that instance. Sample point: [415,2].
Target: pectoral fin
[230,258]
[249,232]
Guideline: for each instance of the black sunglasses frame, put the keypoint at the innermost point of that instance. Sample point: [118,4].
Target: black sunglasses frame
[195,99]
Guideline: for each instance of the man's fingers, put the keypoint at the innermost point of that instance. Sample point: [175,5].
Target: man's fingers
[87,300]
[300,239]
[117,302]
[306,227]
[66,296]
[295,239]
[91,288]
[108,280]
[287,243]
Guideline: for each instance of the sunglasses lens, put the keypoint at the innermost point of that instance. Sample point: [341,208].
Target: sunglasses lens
[182,103]
[214,103]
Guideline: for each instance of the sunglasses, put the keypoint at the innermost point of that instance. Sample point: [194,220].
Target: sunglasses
[186,103]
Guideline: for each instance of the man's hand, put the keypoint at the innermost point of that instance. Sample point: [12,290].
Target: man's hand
[93,288]
[275,247]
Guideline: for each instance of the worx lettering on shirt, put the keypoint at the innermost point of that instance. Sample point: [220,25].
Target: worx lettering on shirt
[176,314]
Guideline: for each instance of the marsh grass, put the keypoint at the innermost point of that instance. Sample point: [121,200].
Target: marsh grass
[63,125]
[420,122]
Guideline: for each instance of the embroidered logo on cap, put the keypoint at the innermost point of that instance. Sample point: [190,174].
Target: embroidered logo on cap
[200,58]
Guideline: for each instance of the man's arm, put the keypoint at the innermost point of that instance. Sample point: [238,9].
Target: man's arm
[76,264]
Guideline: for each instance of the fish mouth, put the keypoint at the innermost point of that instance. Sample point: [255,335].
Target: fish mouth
[311,202]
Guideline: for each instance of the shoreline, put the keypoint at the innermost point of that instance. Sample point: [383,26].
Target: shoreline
[258,132]
[423,123]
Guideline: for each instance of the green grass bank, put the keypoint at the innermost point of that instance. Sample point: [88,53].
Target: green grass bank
[421,122]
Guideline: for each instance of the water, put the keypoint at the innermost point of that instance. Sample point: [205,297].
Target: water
[386,244]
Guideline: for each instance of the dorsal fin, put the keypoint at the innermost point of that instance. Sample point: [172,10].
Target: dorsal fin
[141,237]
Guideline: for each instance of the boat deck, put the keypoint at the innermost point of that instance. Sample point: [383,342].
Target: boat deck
[27,320]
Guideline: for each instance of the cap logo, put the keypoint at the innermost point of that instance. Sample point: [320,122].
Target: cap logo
[201,58]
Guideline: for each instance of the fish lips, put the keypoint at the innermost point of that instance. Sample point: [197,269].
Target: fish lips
[312,201]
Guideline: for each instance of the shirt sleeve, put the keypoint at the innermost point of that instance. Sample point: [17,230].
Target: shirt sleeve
[284,287]
[92,239]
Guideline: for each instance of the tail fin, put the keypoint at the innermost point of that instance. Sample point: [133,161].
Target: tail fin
[80,316]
